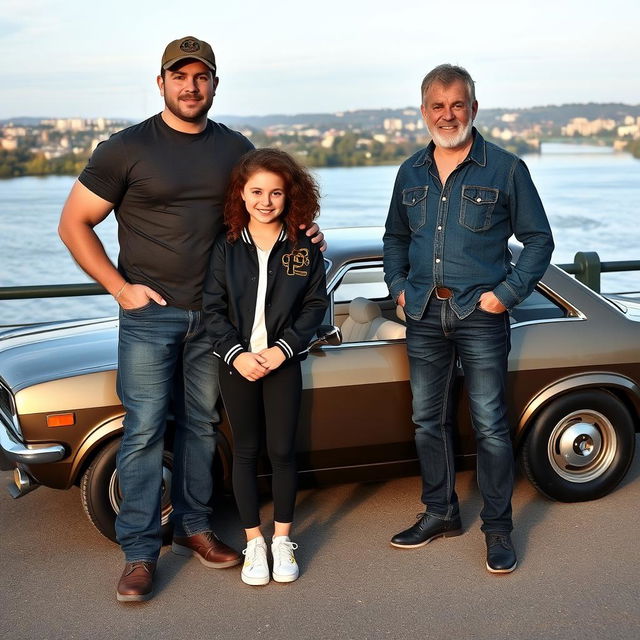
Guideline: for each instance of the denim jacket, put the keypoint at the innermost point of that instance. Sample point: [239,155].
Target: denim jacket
[456,236]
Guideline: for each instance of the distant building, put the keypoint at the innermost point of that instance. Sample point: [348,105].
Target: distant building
[584,127]
[71,124]
[502,134]
[327,141]
[392,124]
[14,132]
[9,144]
[629,130]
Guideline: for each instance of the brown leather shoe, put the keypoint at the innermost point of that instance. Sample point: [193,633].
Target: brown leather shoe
[136,582]
[208,548]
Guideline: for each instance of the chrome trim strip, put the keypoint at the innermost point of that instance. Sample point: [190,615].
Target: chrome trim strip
[563,301]
[526,323]
[363,343]
[337,277]
[347,266]
[32,454]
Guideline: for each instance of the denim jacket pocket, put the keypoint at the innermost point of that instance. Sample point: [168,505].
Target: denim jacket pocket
[477,205]
[415,201]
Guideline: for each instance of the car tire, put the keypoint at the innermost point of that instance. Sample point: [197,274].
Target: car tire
[100,491]
[580,446]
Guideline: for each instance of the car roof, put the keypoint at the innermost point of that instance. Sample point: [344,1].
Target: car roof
[350,244]
[355,244]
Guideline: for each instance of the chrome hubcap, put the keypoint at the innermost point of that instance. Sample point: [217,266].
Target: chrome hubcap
[582,446]
[115,495]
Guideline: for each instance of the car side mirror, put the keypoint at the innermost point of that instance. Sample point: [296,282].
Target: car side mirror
[327,334]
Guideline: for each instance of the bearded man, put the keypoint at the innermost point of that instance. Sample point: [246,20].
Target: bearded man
[454,207]
[166,179]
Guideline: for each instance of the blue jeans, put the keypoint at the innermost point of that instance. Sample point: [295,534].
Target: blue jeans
[482,342]
[165,361]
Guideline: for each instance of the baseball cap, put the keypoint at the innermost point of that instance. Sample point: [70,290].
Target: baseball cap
[188,47]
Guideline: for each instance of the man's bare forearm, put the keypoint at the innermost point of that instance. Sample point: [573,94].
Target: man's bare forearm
[82,211]
[88,251]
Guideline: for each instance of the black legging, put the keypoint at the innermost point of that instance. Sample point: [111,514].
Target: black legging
[272,401]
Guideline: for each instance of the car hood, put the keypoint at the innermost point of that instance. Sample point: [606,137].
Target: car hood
[39,353]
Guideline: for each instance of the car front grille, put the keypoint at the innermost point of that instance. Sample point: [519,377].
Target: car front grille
[7,407]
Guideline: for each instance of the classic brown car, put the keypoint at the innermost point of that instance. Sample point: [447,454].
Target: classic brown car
[574,392]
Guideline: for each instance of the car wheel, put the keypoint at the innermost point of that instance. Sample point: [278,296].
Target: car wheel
[580,446]
[101,495]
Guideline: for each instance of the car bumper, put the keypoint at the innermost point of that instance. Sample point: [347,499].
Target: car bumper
[16,451]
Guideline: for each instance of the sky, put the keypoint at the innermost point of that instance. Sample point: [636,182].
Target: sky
[92,59]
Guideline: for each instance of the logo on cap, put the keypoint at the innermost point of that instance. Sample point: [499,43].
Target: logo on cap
[189,46]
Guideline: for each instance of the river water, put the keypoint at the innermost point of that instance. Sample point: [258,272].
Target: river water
[590,194]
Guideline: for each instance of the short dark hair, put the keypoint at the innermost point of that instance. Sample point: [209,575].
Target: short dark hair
[448,74]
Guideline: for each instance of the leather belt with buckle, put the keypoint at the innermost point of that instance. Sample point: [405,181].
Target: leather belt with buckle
[442,293]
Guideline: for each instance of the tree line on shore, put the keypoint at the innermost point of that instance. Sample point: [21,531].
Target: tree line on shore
[349,150]
[21,162]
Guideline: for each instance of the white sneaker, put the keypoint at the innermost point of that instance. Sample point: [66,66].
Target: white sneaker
[255,570]
[285,567]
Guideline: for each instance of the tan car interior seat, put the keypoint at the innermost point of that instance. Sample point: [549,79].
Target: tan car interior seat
[365,322]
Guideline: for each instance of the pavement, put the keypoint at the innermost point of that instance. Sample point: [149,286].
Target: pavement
[578,573]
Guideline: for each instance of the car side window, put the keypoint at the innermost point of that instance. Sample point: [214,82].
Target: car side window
[363,308]
[363,282]
[538,306]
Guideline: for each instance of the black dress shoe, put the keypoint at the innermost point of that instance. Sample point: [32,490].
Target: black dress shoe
[427,528]
[501,556]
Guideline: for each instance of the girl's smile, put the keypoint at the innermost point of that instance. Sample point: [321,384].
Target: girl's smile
[264,197]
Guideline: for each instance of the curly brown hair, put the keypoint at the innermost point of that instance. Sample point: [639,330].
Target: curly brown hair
[302,195]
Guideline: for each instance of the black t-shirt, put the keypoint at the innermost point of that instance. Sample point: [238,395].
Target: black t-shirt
[168,191]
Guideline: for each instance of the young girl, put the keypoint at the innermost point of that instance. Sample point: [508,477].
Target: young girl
[264,297]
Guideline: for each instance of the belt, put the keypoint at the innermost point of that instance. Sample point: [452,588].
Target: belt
[442,293]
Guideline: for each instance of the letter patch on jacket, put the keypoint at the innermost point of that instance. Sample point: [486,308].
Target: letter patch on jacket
[296,261]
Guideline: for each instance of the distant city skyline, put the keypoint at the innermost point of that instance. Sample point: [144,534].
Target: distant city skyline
[76,59]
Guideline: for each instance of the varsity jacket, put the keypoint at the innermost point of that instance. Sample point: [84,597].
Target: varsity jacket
[295,302]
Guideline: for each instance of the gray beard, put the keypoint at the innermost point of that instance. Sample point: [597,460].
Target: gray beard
[451,143]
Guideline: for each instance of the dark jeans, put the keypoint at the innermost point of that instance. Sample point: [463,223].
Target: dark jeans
[482,342]
[271,404]
[164,354]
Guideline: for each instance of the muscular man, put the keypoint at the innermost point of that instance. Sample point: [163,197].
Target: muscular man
[455,205]
[165,178]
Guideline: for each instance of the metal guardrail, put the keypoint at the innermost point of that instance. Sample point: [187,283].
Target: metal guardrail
[586,267]
[51,291]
